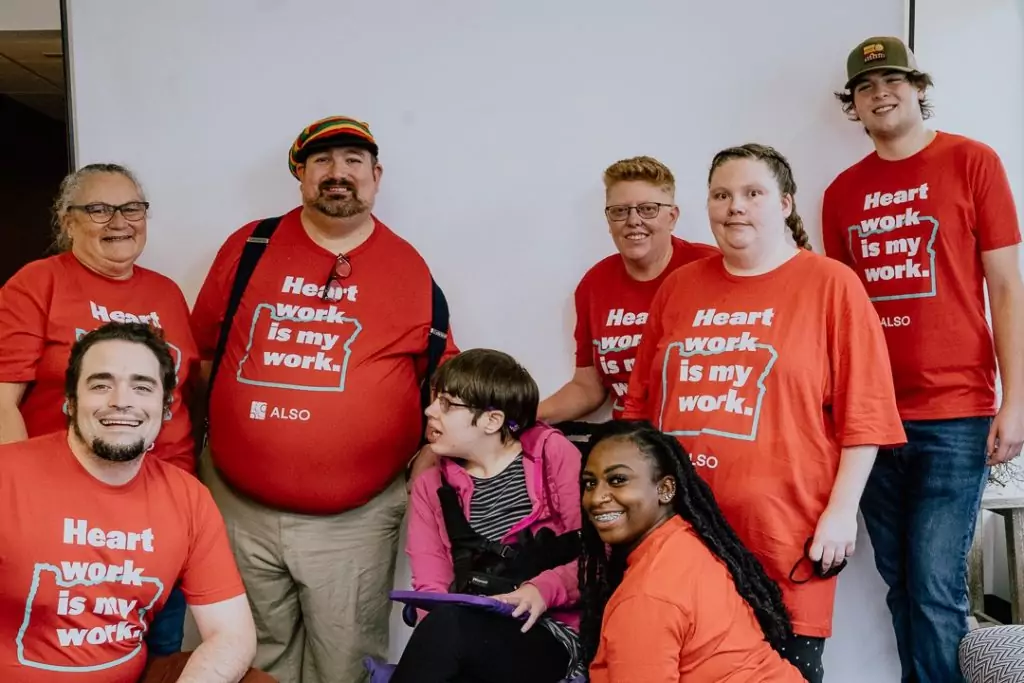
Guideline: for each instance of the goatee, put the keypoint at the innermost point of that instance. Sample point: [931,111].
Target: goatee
[110,451]
[339,208]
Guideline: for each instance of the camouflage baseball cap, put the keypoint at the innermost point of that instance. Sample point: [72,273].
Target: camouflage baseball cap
[877,54]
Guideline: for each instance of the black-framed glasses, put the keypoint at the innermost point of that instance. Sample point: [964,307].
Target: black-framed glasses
[342,268]
[647,210]
[102,213]
[445,404]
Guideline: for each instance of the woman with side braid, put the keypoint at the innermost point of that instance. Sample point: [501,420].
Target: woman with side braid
[768,363]
[678,598]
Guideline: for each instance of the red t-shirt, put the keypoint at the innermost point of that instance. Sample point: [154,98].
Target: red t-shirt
[677,617]
[764,379]
[52,302]
[914,231]
[316,406]
[611,309]
[84,565]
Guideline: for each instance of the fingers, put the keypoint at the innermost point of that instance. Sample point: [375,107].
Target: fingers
[1006,450]
[829,556]
[535,612]
[816,549]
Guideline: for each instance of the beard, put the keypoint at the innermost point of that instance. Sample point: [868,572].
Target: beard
[111,452]
[339,208]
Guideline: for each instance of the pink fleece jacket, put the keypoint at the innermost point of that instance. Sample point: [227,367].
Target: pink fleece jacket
[556,505]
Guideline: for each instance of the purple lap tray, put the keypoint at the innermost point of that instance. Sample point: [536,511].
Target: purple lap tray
[427,601]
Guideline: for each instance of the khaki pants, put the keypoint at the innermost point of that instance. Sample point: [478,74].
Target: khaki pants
[168,670]
[318,585]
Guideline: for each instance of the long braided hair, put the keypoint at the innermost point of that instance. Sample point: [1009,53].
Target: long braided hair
[600,571]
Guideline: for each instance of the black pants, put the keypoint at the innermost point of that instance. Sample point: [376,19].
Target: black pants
[805,654]
[458,644]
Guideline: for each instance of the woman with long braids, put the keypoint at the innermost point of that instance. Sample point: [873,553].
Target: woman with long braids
[768,363]
[678,598]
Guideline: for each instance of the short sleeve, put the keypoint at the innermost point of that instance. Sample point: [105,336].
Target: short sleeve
[863,395]
[212,300]
[583,332]
[997,222]
[24,311]
[210,574]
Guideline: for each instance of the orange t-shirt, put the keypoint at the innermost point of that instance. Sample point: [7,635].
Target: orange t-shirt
[85,565]
[52,302]
[764,379]
[677,616]
[316,404]
[611,309]
[913,230]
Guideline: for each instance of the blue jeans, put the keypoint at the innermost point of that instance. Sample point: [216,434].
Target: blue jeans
[167,631]
[919,507]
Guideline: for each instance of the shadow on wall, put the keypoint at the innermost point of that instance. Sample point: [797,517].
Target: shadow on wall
[33,161]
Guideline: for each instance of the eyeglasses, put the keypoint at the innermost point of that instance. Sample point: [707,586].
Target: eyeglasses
[342,268]
[103,213]
[446,404]
[647,211]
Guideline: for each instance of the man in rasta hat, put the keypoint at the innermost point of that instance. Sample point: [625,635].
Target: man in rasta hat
[315,405]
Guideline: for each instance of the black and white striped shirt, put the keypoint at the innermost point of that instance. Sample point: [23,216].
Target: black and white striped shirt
[498,504]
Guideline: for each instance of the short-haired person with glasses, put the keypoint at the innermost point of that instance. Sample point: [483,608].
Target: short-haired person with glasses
[100,219]
[498,516]
[315,407]
[613,296]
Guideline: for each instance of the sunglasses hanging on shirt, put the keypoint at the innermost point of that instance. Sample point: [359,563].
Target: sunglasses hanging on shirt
[333,289]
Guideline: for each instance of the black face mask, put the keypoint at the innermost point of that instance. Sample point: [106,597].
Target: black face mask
[818,571]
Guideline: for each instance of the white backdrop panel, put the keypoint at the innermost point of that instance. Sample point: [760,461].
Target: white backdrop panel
[495,122]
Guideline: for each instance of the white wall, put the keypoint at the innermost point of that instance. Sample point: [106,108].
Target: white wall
[495,123]
[983,99]
[30,15]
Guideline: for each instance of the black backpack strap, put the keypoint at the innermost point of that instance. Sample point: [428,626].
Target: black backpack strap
[460,533]
[437,341]
[466,543]
[255,245]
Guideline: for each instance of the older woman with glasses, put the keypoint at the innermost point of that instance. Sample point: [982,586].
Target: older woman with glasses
[100,218]
[613,297]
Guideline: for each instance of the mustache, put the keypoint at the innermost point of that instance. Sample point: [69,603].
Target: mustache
[337,185]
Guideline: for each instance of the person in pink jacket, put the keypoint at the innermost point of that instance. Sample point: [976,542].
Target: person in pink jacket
[499,515]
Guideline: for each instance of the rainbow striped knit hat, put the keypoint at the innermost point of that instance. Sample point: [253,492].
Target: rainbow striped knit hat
[333,131]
